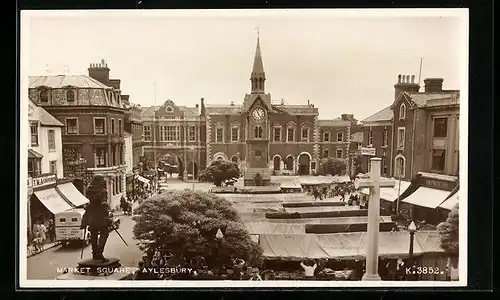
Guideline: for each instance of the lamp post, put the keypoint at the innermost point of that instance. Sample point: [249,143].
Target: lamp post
[192,150]
[219,236]
[412,228]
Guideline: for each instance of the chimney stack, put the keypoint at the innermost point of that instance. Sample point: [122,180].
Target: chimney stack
[115,83]
[125,99]
[100,72]
[308,103]
[232,103]
[406,83]
[433,85]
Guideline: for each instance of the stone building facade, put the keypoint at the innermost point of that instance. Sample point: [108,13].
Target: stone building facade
[93,114]
[261,135]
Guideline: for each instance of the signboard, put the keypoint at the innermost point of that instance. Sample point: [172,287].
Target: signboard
[44,180]
[30,186]
[367,151]
[357,137]
[438,184]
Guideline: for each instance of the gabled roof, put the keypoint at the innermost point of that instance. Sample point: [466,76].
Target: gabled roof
[60,81]
[430,99]
[385,114]
[44,117]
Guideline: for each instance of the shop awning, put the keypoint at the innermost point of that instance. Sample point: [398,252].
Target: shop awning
[275,228]
[52,200]
[320,209]
[450,202]
[344,245]
[72,194]
[341,179]
[390,194]
[426,197]
[34,155]
[142,179]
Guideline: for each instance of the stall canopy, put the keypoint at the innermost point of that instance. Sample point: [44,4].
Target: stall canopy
[320,209]
[344,245]
[33,154]
[72,194]
[52,200]
[340,220]
[275,228]
[390,194]
[142,179]
[426,197]
[450,202]
[341,179]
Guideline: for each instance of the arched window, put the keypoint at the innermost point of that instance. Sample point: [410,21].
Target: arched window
[44,96]
[258,132]
[170,109]
[402,111]
[70,96]
[400,165]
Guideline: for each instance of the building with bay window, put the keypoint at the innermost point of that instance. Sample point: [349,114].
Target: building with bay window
[93,114]
[45,143]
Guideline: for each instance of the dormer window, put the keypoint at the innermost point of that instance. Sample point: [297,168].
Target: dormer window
[70,96]
[402,112]
[170,109]
[44,96]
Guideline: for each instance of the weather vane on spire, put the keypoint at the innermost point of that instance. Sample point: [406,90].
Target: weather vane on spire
[257,28]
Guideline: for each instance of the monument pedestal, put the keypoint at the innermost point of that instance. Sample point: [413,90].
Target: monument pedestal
[371,277]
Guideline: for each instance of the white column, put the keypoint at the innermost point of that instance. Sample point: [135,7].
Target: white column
[373,223]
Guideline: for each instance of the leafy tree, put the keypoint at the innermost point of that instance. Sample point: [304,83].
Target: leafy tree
[448,232]
[358,164]
[220,170]
[186,223]
[333,166]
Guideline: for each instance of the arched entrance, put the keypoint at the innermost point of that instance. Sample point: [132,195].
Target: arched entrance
[289,163]
[171,164]
[277,163]
[304,164]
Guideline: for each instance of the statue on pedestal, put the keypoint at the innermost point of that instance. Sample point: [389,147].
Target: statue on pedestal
[97,217]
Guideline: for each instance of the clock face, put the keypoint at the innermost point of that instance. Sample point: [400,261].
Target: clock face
[258,114]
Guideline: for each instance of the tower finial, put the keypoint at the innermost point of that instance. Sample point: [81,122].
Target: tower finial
[258,33]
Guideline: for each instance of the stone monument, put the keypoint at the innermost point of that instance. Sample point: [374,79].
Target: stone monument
[374,182]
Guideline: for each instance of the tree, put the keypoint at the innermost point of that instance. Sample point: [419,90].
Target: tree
[357,164]
[186,223]
[333,166]
[448,232]
[220,170]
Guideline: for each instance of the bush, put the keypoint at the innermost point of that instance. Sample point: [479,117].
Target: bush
[220,170]
[186,223]
[448,232]
[333,166]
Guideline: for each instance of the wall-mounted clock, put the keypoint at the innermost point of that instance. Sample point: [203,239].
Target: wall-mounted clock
[258,114]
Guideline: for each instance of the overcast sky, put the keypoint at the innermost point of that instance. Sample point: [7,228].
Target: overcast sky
[341,62]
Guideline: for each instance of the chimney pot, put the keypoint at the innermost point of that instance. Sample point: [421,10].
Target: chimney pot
[407,78]
[399,78]
[197,105]
[308,102]
[412,78]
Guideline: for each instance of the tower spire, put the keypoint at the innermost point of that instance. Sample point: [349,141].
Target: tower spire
[258,75]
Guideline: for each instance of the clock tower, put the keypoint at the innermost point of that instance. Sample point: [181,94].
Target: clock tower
[257,108]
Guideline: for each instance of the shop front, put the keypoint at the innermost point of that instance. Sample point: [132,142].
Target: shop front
[389,195]
[51,197]
[429,192]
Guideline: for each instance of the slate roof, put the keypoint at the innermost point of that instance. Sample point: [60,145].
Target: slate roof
[189,111]
[385,114]
[434,99]
[44,117]
[60,81]
[214,109]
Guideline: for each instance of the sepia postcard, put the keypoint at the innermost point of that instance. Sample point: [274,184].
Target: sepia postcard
[243,148]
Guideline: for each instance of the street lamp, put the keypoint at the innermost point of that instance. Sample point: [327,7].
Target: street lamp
[192,150]
[412,228]
[219,236]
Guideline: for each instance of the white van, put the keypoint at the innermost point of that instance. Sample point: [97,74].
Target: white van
[67,225]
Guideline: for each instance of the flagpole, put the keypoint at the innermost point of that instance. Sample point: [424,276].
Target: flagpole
[420,70]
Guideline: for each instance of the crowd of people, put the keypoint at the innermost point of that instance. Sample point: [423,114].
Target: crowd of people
[42,234]
[341,189]
[165,265]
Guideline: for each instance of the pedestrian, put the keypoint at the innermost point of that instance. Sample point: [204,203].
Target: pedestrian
[309,268]
[43,233]
[238,265]
[51,231]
